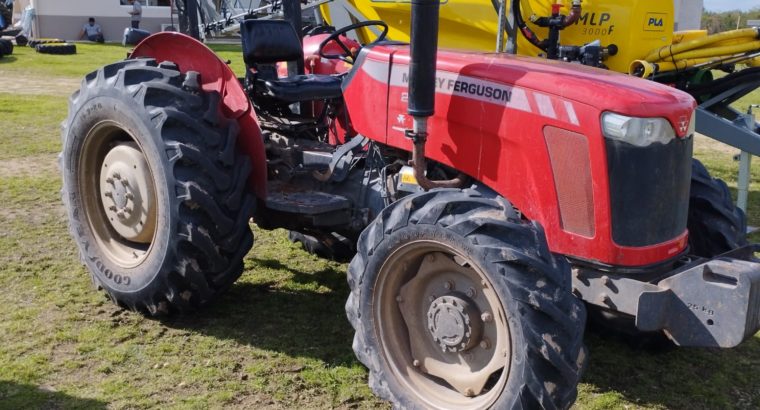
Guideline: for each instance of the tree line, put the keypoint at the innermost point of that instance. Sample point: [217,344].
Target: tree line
[715,22]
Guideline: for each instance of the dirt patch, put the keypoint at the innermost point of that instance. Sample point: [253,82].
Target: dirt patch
[36,165]
[16,83]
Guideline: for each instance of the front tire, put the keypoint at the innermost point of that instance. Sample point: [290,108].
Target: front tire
[155,193]
[716,225]
[458,304]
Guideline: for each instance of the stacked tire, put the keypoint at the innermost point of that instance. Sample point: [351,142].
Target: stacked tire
[53,46]
[37,41]
[6,47]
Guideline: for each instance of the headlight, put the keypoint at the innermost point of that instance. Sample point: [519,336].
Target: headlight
[637,131]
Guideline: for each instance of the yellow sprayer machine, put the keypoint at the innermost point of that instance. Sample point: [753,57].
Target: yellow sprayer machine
[635,37]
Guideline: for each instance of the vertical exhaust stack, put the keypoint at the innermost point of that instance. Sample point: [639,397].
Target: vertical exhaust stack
[424,50]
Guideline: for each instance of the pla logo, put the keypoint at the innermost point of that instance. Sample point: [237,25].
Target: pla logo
[683,124]
[654,22]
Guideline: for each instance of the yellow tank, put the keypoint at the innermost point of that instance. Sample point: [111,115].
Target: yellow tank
[635,27]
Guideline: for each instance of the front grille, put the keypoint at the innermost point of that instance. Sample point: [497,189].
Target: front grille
[568,153]
[649,191]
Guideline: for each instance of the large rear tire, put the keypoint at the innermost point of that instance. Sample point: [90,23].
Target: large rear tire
[716,225]
[458,304]
[155,192]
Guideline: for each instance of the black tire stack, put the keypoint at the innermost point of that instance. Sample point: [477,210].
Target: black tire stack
[6,47]
[53,46]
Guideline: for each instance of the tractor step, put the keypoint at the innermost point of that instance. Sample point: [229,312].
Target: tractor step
[306,202]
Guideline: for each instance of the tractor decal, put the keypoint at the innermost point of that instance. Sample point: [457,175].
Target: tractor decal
[450,83]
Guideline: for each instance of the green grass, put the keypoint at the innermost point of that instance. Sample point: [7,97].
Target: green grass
[89,57]
[277,339]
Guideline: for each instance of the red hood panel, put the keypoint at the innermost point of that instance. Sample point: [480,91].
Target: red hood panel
[605,90]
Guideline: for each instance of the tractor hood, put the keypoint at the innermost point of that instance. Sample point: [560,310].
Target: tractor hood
[602,89]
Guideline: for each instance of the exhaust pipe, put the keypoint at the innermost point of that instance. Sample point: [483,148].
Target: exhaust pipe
[424,50]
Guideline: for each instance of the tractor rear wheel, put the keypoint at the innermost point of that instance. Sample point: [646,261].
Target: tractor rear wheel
[155,192]
[457,303]
[716,225]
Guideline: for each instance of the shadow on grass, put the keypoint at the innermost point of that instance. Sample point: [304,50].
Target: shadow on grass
[295,322]
[308,323]
[25,396]
[7,59]
[674,378]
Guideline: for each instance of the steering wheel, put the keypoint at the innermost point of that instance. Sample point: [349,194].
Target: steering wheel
[346,57]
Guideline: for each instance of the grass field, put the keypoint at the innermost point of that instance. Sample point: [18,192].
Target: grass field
[278,339]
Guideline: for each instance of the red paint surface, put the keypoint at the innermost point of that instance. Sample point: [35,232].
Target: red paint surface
[504,147]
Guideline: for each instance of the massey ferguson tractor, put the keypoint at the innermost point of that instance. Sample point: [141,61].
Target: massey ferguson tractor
[490,201]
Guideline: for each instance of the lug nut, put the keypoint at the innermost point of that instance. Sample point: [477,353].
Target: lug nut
[112,208]
[120,214]
[416,363]
[109,180]
[129,195]
[469,392]
[448,285]
[485,344]
[108,194]
[116,175]
[471,293]
[399,299]
[125,182]
[606,280]
[486,317]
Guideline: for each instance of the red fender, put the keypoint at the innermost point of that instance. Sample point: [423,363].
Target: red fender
[191,55]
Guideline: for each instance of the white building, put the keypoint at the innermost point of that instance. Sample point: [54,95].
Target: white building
[64,18]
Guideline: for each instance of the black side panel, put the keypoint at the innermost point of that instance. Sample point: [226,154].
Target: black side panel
[649,191]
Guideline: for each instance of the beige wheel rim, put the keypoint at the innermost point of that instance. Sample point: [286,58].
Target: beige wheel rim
[441,326]
[118,194]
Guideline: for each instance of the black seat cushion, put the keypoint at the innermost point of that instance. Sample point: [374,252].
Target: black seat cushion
[304,88]
[269,42]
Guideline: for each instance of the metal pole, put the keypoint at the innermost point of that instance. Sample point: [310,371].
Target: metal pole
[502,26]
[511,29]
[191,8]
[292,12]
[745,160]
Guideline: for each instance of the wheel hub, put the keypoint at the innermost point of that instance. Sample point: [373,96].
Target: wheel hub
[454,323]
[127,193]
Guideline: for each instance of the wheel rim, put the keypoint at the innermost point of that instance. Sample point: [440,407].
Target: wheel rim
[118,194]
[441,326]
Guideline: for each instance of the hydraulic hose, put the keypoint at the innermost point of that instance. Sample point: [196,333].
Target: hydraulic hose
[524,29]
[667,52]
[729,47]
[645,69]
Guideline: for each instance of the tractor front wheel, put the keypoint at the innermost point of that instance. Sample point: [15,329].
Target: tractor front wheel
[456,303]
[155,192]
[716,224]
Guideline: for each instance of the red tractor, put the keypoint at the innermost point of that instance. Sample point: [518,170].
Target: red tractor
[489,200]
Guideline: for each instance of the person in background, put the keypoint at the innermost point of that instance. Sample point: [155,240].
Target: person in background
[92,30]
[136,13]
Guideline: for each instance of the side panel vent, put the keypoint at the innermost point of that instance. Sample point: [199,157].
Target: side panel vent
[571,166]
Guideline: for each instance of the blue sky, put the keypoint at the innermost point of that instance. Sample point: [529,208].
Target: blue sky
[723,5]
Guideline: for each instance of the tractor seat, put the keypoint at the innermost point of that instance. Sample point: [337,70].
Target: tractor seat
[304,88]
[268,42]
